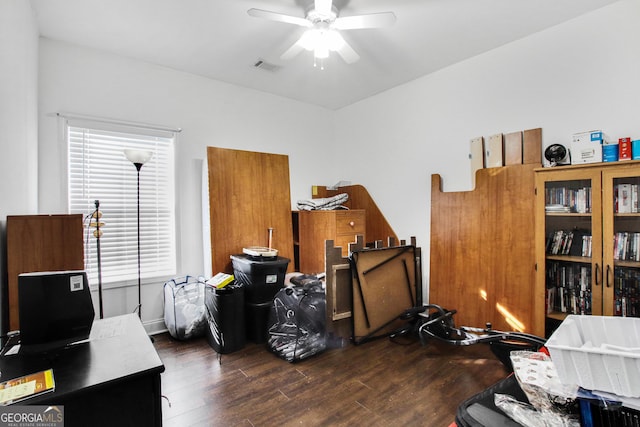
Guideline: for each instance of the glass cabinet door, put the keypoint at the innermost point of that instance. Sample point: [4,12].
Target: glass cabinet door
[621,247]
[572,247]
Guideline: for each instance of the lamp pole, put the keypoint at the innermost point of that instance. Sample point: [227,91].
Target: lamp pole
[138,158]
[138,167]
[98,234]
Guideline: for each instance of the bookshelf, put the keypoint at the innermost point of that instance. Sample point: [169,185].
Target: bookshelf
[587,241]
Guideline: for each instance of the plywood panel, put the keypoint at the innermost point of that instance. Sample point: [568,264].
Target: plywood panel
[513,148]
[482,249]
[249,193]
[41,243]
[532,146]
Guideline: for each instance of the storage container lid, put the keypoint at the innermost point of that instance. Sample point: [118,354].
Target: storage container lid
[260,251]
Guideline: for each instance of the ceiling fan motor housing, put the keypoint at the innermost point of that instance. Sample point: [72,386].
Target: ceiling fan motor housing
[316,17]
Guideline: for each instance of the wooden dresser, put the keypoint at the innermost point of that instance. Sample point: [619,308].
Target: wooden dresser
[314,227]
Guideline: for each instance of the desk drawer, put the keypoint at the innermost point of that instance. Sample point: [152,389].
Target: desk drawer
[350,223]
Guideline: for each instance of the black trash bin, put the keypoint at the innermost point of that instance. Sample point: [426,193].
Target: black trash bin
[262,278]
[225,317]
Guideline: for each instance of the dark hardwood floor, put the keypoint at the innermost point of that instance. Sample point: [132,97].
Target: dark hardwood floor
[380,383]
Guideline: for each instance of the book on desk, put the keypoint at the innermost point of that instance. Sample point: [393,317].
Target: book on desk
[26,386]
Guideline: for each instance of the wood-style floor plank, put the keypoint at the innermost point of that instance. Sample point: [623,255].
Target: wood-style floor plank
[380,383]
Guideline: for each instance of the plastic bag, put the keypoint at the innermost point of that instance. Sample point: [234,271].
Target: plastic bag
[184,310]
[529,416]
[552,404]
[538,378]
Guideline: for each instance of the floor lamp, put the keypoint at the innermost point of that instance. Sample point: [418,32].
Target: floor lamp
[96,222]
[138,158]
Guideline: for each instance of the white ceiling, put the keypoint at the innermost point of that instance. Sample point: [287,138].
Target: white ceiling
[217,39]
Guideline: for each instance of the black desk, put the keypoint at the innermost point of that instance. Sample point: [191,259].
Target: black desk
[113,379]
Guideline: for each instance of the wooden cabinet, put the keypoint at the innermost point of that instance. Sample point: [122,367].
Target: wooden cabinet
[587,241]
[378,229]
[314,227]
[621,245]
[41,243]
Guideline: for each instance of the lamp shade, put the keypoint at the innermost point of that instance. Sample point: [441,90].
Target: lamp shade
[138,156]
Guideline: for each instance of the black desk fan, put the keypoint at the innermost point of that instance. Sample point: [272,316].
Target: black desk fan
[557,155]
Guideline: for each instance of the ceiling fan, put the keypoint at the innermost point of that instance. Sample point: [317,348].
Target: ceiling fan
[323,25]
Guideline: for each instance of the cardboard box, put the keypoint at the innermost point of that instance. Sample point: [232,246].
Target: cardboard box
[635,149]
[610,152]
[585,152]
[624,145]
[595,136]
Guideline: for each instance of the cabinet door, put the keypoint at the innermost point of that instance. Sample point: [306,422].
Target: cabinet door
[569,242]
[621,250]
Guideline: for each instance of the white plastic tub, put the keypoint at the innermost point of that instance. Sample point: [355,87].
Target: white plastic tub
[598,353]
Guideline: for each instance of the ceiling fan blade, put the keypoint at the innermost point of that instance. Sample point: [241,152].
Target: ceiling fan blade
[293,51]
[323,7]
[347,53]
[373,20]
[279,17]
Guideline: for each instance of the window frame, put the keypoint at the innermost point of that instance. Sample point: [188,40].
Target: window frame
[90,242]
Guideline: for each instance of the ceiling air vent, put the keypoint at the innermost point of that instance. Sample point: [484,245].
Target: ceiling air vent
[263,65]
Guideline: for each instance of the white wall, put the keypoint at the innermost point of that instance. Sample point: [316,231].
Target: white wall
[577,76]
[18,119]
[211,113]
[18,108]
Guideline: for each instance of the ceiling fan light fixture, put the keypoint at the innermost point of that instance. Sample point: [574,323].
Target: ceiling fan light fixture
[323,26]
[310,39]
[321,42]
[321,51]
[333,40]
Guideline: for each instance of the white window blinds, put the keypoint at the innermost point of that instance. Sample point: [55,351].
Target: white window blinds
[99,170]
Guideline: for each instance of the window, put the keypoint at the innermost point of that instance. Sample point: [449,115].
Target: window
[98,170]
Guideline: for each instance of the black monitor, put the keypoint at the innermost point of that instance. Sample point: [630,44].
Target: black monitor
[55,309]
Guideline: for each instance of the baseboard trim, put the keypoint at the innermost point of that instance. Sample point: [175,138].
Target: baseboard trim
[154,327]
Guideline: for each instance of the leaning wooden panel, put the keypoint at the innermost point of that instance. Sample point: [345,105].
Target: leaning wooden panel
[249,193]
[482,252]
[532,146]
[513,148]
[41,243]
